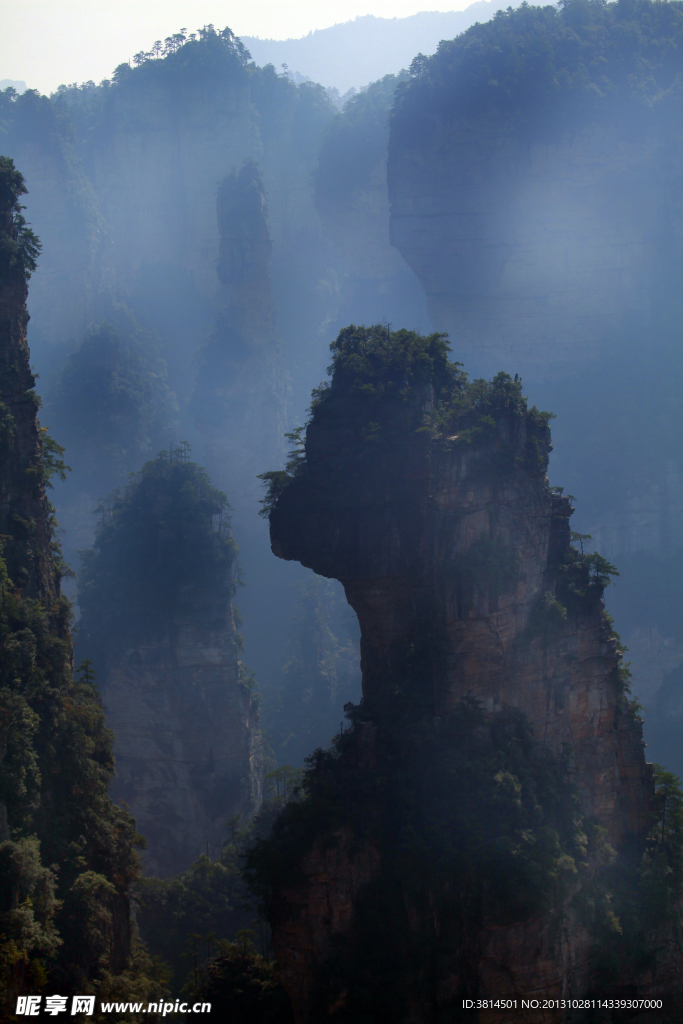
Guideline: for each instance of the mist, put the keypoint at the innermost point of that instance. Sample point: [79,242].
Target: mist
[359,368]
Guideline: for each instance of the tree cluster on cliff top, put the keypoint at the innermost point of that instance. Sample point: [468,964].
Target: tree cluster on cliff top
[210,56]
[388,387]
[19,246]
[544,68]
[163,549]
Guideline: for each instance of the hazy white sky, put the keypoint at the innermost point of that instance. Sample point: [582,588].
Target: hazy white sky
[47,42]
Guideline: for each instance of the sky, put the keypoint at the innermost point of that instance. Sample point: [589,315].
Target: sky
[49,42]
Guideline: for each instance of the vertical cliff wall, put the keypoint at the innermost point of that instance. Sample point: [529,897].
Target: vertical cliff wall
[544,226]
[427,498]
[187,741]
[158,623]
[64,211]
[239,400]
[23,490]
[67,856]
[353,205]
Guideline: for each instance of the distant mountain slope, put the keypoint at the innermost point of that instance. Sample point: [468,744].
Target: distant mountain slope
[361,51]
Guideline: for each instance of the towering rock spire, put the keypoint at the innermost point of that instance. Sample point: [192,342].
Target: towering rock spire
[433,842]
[239,399]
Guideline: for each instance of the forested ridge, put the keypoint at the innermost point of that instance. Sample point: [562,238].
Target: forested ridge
[549,69]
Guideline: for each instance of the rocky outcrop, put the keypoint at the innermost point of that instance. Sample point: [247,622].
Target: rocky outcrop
[444,548]
[547,238]
[187,742]
[404,566]
[240,392]
[158,624]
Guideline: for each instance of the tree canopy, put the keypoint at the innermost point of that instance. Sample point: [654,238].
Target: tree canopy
[547,68]
[163,549]
[19,246]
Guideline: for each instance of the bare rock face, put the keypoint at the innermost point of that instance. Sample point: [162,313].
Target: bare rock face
[442,549]
[188,744]
[530,253]
[405,566]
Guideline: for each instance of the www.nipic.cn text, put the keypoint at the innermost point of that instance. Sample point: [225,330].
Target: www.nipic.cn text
[31,1006]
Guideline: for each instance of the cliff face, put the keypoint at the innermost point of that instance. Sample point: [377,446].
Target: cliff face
[353,205]
[530,252]
[180,144]
[547,235]
[240,392]
[555,258]
[403,567]
[63,210]
[22,491]
[64,846]
[157,620]
[187,742]
[447,549]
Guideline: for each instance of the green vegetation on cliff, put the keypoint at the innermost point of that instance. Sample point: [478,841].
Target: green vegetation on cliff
[442,823]
[197,921]
[392,389]
[471,811]
[67,853]
[19,246]
[544,69]
[163,550]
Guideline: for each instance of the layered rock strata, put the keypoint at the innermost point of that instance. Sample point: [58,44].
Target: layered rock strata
[406,546]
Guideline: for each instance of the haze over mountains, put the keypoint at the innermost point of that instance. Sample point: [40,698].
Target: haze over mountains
[468,808]
[356,52]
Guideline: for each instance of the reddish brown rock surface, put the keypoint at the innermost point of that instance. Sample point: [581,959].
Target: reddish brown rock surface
[405,558]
